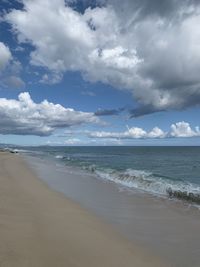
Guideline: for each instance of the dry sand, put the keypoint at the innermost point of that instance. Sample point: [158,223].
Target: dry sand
[40,227]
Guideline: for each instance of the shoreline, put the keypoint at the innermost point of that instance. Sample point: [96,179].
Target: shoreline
[41,227]
[162,227]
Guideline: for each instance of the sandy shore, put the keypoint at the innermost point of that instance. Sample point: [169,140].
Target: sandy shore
[40,227]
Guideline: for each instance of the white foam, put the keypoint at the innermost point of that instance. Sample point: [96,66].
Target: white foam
[59,157]
[146,181]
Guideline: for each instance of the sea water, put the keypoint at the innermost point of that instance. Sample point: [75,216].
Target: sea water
[162,171]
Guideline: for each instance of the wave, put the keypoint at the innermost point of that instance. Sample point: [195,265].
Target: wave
[59,157]
[140,180]
[150,183]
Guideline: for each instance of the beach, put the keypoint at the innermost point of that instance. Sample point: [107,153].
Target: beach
[163,226]
[40,227]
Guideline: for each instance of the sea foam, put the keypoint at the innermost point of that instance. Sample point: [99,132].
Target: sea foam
[150,183]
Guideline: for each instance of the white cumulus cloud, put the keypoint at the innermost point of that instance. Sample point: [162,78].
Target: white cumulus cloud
[150,48]
[183,129]
[179,129]
[131,133]
[25,117]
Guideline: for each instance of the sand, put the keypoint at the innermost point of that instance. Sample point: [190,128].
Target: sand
[40,227]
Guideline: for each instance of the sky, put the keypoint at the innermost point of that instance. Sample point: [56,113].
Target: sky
[101,72]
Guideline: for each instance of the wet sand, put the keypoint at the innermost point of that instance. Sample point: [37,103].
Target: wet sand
[40,227]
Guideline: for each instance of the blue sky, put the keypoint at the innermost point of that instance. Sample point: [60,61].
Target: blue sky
[122,74]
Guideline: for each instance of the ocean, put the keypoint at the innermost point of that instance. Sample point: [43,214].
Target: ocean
[163,171]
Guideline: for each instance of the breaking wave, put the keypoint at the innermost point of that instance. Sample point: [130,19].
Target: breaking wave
[151,183]
[59,157]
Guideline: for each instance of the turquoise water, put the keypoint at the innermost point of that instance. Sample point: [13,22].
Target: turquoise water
[156,170]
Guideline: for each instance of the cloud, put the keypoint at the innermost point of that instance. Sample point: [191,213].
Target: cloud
[183,129]
[13,82]
[108,112]
[145,8]
[9,69]
[51,78]
[25,117]
[19,49]
[132,133]
[5,56]
[150,48]
[143,110]
[179,129]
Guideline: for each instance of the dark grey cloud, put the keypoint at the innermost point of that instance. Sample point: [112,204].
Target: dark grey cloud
[140,9]
[109,112]
[142,111]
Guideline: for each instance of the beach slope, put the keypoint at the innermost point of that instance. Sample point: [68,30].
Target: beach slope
[40,227]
